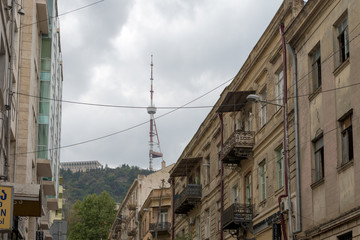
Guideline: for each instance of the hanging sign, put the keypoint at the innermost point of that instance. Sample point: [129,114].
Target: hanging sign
[6,207]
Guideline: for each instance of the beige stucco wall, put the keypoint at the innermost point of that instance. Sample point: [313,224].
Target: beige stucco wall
[334,199]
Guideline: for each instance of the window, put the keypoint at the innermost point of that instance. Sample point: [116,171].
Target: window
[207,166]
[219,155]
[163,217]
[279,89]
[263,108]
[207,223]
[248,188]
[347,139]
[144,227]
[218,204]
[262,174]
[346,236]
[276,231]
[343,40]
[250,118]
[316,68]
[198,228]
[319,159]
[280,166]
[235,194]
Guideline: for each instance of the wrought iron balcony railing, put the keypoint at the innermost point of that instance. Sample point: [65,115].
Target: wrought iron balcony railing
[237,215]
[131,231]
[187,199]
[238,147]
[162,226]
[132,206]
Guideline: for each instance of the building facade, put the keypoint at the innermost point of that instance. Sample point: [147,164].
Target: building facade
[155,214]
[82,166]
[325,40]
[232,179]
[284,167]
[34,179]
[126,225]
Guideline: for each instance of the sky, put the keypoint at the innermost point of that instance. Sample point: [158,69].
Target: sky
[198,46]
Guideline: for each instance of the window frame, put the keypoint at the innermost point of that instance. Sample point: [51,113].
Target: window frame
[235,194]
[207,164]
[207,223]
[248,188]
[280,167]
[218,205]
[263,108]
[345,236]
[347,141]
[319,159]
[262,180]
[279,88]
[343,39]
[219,147]
[198,228]
[316,68]
[250,119]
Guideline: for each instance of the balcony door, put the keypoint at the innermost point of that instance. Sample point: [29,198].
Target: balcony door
[163,218]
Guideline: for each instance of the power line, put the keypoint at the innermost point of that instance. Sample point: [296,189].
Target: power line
[62,14]
[129,128]
[175,107]
[108,105]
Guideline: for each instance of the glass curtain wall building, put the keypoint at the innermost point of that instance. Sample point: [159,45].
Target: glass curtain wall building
[51,78]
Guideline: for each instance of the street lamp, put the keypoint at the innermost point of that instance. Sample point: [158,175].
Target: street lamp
[13,3]
[256,98]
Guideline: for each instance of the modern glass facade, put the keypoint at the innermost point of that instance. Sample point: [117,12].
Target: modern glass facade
[50,95]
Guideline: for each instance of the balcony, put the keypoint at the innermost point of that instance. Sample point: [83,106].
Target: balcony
[187,199]
[27,199]
[118,226]
[237,215]
[120,219]
[43,15]
[132,206]
[161,227]
[238,147]
[131,232]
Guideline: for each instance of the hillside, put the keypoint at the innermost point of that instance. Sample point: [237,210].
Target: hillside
[115,181]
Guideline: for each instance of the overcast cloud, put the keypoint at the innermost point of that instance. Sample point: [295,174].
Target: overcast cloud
[197,45]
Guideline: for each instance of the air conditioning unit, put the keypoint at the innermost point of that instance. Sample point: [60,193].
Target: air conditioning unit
[285,205]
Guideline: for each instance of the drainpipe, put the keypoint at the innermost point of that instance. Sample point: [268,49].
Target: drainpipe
[297,152]
[285,144]
[172,209]
[222,175]
[8,106]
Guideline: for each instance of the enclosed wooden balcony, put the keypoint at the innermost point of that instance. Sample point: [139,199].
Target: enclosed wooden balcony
[161,227]
[187,199]
[131,232]
[120,219]
[238,146]
[132,206]
[118,227]
[237,215]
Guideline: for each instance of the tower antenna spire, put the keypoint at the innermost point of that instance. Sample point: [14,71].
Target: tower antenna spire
[153,130]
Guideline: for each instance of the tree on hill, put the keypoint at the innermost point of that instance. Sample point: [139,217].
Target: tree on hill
[92,217]
[115,181]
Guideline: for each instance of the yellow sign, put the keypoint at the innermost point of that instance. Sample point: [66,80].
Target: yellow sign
[6,207]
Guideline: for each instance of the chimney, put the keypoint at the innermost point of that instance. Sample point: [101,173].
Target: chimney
[163,164]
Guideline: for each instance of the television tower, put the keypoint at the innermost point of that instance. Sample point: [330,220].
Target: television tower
[153,130]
